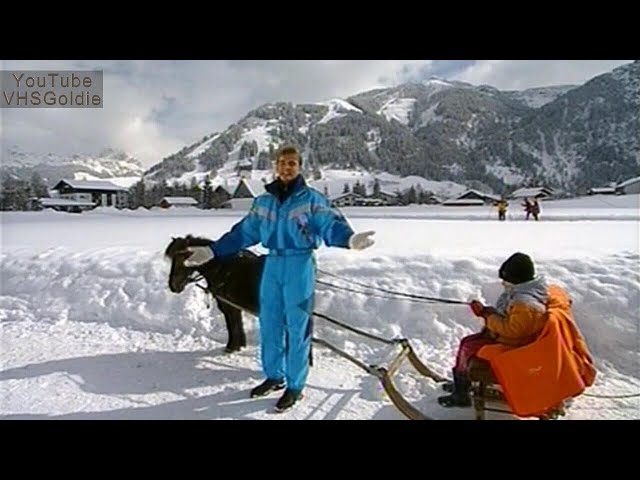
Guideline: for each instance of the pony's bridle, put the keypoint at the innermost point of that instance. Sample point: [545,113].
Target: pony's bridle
[194,274]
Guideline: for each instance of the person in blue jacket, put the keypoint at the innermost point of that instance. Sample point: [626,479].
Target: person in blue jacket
[291,219]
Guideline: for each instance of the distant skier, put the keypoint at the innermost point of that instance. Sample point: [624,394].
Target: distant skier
[531,207]
[502,209]
[535,209]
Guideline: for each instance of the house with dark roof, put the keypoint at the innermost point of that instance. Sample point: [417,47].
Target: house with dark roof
[387,198]
[221,198]
[100,193]
[628,186]
[472,197]
[60,204]
[348,199]
[179,202]
[601,191]
[244,193]
[463,202]
[244,190]
[244,167]
[533,192]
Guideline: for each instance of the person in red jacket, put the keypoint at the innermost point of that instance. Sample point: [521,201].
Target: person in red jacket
[516,320]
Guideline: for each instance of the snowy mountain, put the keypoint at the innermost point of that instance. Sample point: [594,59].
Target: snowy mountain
[537,97]
[587,136]
[568,137]
[108,163]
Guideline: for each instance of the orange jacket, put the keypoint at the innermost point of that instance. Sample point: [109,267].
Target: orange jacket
[556,366]
[524,314]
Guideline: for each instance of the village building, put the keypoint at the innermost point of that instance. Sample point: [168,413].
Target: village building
[387,198]
[602,191]
[60,204]
[97,192]
[472,198]
[221,197]
[540,193]
[244,193]
[628,186]
[349,199]
[178,202]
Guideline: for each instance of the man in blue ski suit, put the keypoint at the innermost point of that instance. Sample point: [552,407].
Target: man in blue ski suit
[291,220]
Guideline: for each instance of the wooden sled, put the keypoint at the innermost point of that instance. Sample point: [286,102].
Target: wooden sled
[485,389]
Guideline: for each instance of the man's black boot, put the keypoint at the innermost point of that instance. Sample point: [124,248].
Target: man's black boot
[288,400]
[267,387]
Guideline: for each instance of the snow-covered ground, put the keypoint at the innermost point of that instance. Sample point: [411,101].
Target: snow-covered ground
[89,329]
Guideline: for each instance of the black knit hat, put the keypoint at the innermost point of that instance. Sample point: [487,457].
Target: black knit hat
[518,268]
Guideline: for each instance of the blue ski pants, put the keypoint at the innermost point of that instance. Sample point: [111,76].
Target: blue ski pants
[286,302]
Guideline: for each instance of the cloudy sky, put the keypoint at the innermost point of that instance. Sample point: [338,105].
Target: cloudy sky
[154,108]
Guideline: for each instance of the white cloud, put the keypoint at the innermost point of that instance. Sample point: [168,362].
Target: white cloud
[522,74]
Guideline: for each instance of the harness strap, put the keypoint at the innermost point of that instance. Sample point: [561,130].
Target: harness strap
[289,252]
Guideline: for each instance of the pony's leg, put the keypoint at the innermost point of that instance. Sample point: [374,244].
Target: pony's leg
[235,329]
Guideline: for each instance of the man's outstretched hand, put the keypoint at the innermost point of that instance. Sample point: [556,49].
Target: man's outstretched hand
[360,241]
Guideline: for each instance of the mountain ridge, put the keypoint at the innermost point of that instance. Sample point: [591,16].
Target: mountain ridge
[107,163]
[567,136]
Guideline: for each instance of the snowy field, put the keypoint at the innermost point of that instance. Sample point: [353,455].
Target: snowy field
[89,329]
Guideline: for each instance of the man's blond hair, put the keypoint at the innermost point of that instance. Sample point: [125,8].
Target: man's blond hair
[288,150]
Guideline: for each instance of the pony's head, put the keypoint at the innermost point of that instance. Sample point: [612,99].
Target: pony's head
[180,275]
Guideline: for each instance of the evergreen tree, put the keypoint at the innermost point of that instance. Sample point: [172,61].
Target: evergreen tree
[39,188]
[139,193]
[14,194]
[376,188]
[208,200]
[195,191]
[360,189]
[264,161]
[411,195]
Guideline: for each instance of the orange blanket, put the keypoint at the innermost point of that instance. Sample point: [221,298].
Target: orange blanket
[556,366]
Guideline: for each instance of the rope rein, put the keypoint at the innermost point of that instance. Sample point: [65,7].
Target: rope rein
[400,294]
[373,295]
[594,395]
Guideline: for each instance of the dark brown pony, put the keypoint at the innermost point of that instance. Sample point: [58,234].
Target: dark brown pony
[234,281]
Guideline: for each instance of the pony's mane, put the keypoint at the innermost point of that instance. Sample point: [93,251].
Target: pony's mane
[197,241]
[179,244]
